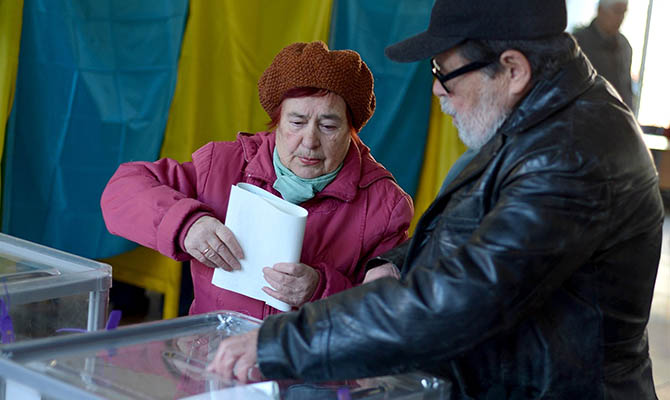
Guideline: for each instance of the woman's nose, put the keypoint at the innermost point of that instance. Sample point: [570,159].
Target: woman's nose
[310,137]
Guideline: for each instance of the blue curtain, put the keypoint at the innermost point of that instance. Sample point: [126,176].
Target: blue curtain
[93,90]
[397,132]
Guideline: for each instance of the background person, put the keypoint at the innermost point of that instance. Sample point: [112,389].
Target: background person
[318,100]
[607,49]
[531,274]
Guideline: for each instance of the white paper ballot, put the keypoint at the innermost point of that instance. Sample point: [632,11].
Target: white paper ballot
[269,230]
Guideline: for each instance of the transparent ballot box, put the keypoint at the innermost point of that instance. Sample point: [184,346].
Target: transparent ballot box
[44,290]
[167,360]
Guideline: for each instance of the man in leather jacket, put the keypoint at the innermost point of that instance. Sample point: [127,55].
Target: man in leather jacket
[532,273]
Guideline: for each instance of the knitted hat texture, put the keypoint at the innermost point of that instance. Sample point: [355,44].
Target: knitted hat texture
[313,65]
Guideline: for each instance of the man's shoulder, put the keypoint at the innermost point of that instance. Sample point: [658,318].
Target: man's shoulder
[586,36]
[582,30]
[623,40]
[592,127]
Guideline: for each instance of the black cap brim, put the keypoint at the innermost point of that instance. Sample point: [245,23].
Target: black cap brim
[421,47]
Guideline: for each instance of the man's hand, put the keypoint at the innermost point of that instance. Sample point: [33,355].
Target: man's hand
[294,284]
[213,244]
[381,271]
[236,358]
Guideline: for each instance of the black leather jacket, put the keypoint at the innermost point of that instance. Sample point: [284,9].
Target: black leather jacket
[531,276]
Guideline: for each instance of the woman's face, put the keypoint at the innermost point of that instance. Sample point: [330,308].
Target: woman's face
[313,134]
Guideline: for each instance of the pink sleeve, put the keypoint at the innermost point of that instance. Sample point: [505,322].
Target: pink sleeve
[397,227]
[333,281]
[149,203]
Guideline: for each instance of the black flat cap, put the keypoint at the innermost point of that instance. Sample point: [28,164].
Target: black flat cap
[454,21]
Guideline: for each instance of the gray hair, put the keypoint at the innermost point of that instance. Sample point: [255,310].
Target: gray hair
[546,56]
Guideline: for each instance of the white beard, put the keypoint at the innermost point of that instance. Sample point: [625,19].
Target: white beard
[478,126]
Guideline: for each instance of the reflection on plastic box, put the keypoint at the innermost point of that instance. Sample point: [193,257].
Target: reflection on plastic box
[166,360]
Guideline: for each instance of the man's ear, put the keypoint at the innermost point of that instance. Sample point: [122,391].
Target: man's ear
[518,71]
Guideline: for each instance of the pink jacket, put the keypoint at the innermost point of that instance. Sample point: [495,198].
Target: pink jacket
[358,216]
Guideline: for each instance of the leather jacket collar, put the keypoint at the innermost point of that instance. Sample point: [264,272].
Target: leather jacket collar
[545,98]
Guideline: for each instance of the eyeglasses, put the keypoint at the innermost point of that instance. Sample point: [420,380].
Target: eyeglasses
[473,66]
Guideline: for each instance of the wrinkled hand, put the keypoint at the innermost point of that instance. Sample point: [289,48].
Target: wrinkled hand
[381,271]
[291,283]
[236,358]
[191,350]
[213,244]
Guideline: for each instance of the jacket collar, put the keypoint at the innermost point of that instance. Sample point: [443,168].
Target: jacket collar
[474,167]
[551,95]
[357,172]
[257,150]
[545,98]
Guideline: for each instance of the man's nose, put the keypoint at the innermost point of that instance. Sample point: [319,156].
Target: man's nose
[438,89]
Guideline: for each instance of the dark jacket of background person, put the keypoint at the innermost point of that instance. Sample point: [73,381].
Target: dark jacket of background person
[611,57]
[531,276]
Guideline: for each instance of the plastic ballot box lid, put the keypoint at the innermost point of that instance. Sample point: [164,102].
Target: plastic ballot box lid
[167,360]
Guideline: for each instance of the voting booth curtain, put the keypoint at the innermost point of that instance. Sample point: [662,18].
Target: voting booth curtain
[94,83]
[10,32]
[94,86]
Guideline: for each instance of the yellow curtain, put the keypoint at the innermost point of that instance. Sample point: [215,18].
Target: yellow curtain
[227,44]
[443,147]
[226,47]
[11,15]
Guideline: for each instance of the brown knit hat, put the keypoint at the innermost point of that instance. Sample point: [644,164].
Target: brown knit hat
[313,65]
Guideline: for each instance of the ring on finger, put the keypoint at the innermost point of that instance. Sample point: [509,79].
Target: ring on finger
[204,252]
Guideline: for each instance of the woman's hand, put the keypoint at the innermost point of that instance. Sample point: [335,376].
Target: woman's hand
[209,241]
[292,283]
[381,271]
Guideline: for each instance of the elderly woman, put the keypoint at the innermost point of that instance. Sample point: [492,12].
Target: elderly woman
[318,100]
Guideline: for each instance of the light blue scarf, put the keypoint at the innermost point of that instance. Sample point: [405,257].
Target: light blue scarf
[296,189]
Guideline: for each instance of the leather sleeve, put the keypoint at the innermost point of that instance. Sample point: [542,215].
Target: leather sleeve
[395,256]
[550,215]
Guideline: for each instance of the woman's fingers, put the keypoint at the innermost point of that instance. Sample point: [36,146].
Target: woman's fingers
[201,255]
[292,283]
[213,244]
[214,259]
[226,236]
[223,255]
[280,296]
